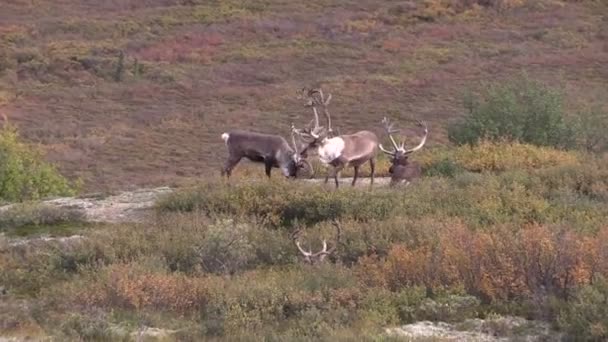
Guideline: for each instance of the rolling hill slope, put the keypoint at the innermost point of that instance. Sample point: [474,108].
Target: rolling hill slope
[136,93]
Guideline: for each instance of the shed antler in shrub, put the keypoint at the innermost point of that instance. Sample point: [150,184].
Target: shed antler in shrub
[311,257]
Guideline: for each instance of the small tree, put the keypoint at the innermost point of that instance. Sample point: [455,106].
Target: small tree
[520,110]
[24,175]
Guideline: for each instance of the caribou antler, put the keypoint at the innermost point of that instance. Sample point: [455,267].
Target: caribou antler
[311,257]
[315,130]
[295,145]
[422,142]
[323,102]
[388,127]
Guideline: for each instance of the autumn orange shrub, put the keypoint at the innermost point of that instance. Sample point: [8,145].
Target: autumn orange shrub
[126,287]
[497,265]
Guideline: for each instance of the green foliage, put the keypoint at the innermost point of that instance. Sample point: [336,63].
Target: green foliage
[447,167]
[88,328]
[281,203]
[34,214]
[521,109]
[527,194]
[592,126]
[586,316]
[24,175]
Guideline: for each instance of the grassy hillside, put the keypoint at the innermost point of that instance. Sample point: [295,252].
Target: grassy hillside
[191,69]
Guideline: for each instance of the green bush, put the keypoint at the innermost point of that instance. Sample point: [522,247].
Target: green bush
[592,126]
[447,167]
[586,316]
[522,110]
[35,215]
[81,327]
[24,175]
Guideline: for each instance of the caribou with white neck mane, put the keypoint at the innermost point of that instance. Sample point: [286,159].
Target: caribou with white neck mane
[402,169]
[340,151]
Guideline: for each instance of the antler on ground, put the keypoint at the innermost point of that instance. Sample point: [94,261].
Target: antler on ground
[311,257]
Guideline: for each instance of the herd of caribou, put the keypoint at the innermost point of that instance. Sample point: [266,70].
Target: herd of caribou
[337,152]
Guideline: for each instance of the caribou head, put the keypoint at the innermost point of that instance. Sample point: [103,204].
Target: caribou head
[402,169]
[270,149]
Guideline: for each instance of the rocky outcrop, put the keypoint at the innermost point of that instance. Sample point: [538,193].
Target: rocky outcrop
[496,329]
[129,206]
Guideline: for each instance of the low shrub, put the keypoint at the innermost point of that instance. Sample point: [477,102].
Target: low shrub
[134,287]
[496,266]
[36,214]
[591,126]
[24,175]
[280,203]
[535,188]
[496,157]
[586,315]
[90,327]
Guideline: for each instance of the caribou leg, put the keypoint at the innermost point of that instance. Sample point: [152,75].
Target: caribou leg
[229,165]
[372,166]
[356,175]
[268,164]
[337,171]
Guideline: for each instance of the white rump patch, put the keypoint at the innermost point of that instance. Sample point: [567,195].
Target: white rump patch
[331,149]
[225,137]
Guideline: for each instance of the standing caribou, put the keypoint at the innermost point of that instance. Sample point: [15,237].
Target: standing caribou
[341,151]
[402,170]
[272,150]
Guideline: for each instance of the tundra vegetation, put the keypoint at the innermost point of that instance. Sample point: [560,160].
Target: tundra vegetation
[508,219]
[490,228]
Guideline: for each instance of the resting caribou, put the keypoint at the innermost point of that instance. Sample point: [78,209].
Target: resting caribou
[340,151]
[402,170]
[272,150]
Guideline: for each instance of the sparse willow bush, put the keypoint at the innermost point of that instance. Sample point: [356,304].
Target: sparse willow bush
[24,175]
[585,317]
[279,300]
[29,268]
[521,109]
[589,179]
[136,287]
[193,243]
[503,264]
[36,214]
[591,125]
[513,196]
[281,202]
[489,156]
[95,327]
